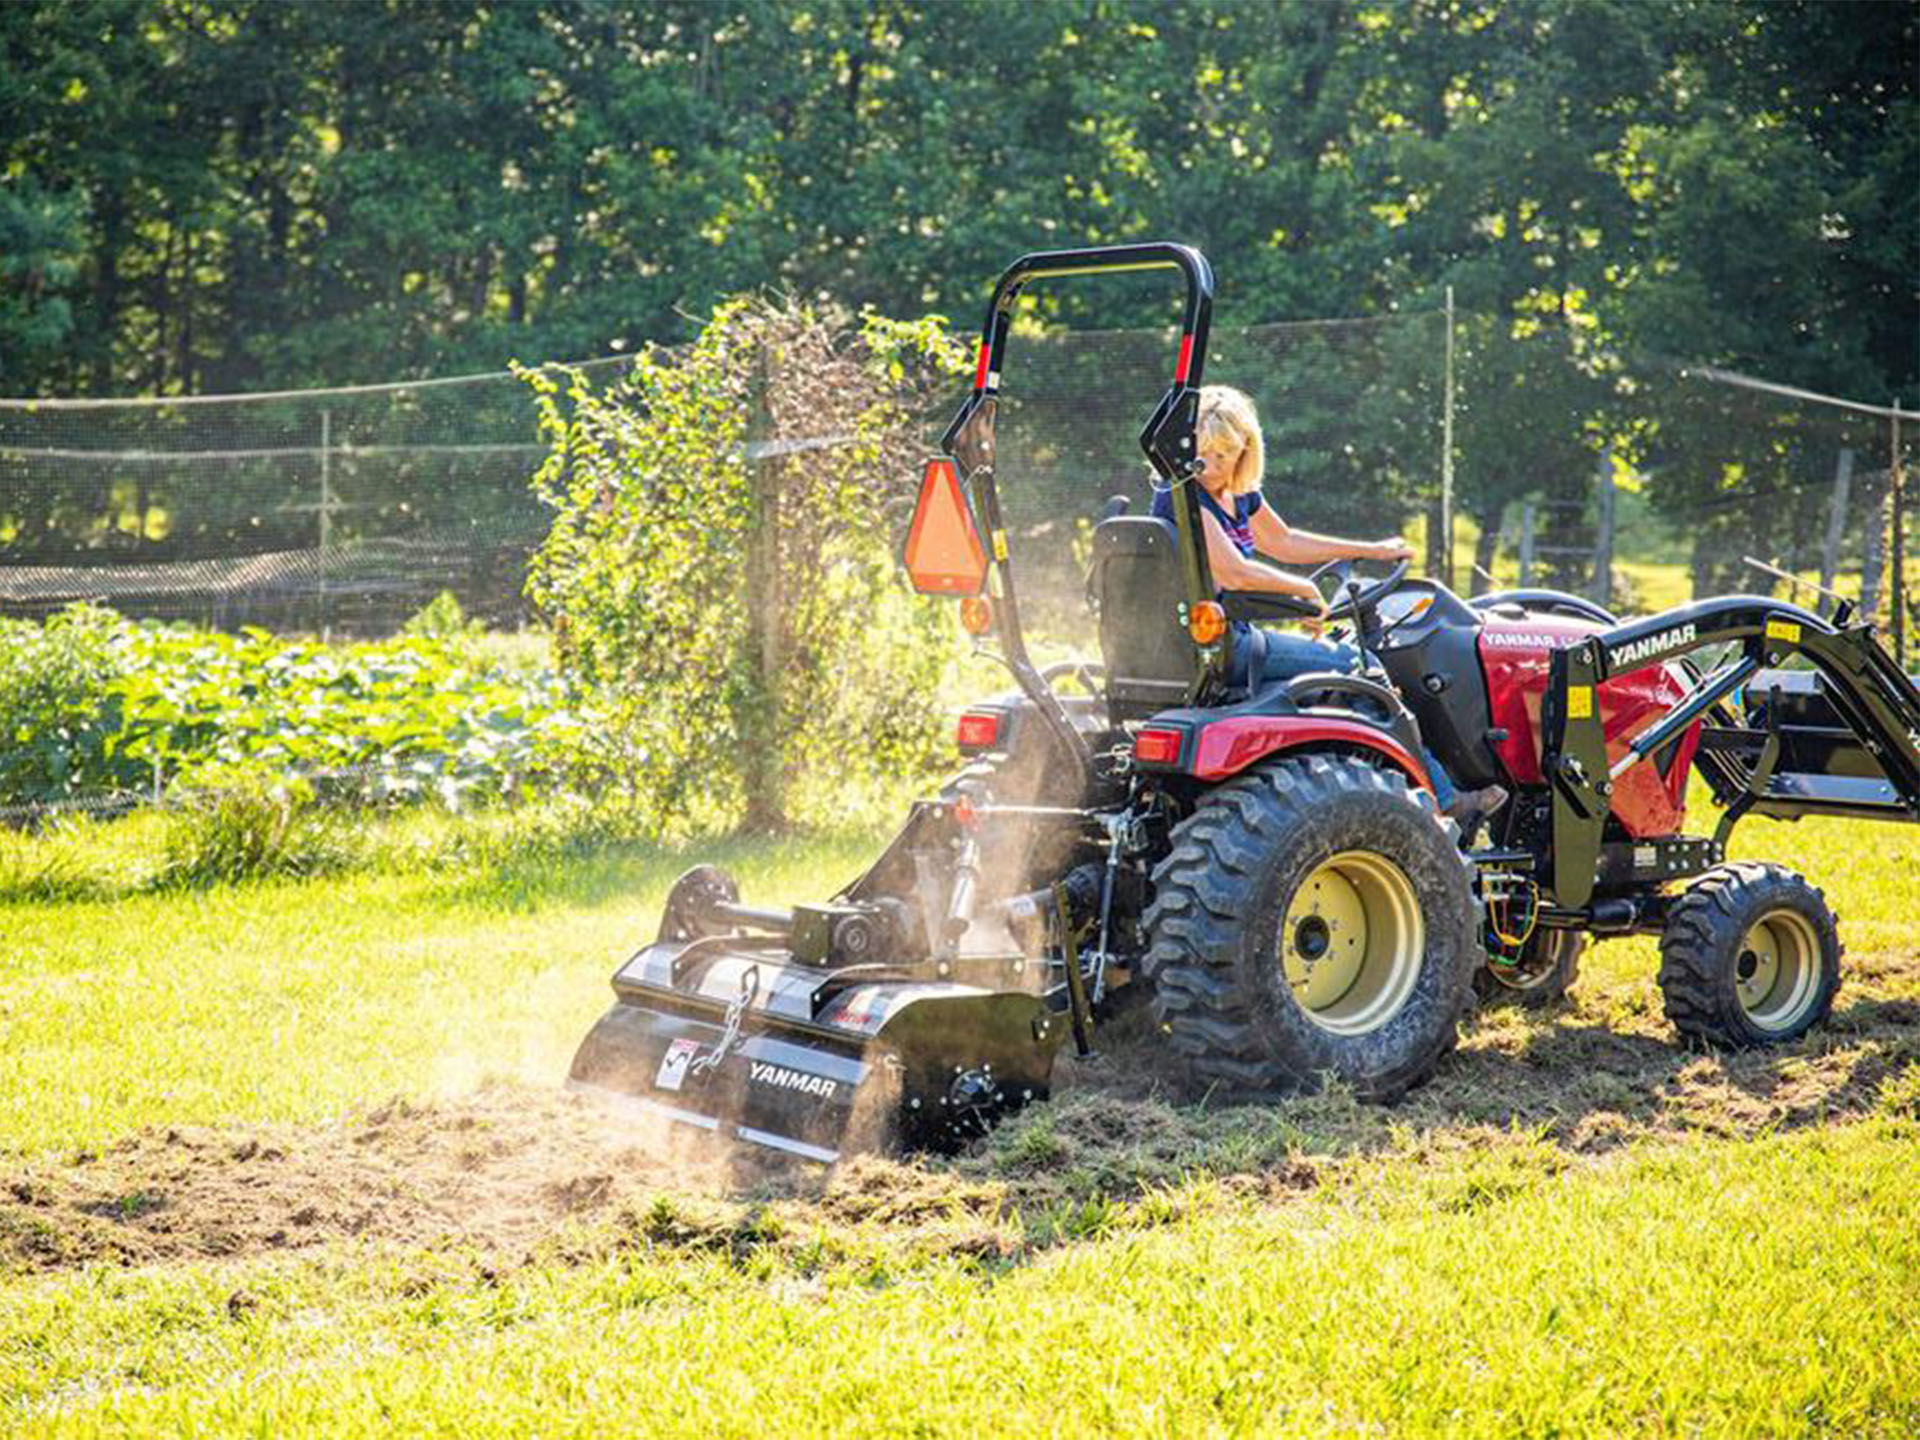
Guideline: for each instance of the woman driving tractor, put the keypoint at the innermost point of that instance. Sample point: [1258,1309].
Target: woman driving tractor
[1241,528]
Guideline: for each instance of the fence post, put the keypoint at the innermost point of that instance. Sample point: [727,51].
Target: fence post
[1526,544]
[1445,571]
[1873,541]
[1898,580]
[326,513]
[1836,517]
[765,796]
[1603,538]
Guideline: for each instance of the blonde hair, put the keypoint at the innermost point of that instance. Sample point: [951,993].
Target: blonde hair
[1225,411]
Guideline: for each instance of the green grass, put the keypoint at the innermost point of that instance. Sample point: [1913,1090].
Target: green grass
[288,1000]
[1481,1260]
[1766,1288]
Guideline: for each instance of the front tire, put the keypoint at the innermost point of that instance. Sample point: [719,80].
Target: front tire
[1750,955]
[1313,917]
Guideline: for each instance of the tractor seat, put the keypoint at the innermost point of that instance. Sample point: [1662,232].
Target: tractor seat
[1137,588]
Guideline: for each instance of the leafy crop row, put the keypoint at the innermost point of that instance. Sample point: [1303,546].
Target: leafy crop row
[96,707]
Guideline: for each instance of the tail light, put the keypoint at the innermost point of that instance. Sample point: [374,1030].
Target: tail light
[1154,746]
[977,730]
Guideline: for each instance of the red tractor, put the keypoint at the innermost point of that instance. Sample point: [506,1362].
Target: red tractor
[1268,865]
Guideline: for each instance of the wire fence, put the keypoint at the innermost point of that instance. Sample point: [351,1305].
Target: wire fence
[1641,482]
[321,510]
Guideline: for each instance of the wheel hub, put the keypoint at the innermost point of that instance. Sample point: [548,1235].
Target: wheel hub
[1312,938]
[1351,942]
[1777,970]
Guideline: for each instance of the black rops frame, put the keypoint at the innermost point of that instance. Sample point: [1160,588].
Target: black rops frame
[1167,439]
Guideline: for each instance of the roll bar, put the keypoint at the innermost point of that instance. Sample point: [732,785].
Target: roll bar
[1167,439]
[1104,260]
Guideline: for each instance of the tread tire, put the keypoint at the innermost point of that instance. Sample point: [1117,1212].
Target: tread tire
[1700,948]
[1219,994]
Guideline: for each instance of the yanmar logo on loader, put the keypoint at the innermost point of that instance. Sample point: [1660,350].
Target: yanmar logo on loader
[1636,651]
[1526,639]
[782,1078]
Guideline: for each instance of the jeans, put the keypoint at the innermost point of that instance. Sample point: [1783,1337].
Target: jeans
[1289,655]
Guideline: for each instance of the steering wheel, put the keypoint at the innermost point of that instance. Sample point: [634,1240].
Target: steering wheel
[1353,600]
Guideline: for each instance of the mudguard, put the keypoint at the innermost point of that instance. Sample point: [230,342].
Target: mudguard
[1214,746]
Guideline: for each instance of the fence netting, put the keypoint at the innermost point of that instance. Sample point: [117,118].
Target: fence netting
[325,510]
[1641,481]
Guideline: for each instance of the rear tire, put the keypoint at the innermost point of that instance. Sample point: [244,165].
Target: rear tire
[1313,917]
[1750,955]
[1539,978]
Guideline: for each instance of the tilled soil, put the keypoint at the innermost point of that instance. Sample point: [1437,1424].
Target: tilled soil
[515,1173]
[495,1170]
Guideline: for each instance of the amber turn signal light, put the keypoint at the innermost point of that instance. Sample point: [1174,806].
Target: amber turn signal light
[1207,622]
[976,615]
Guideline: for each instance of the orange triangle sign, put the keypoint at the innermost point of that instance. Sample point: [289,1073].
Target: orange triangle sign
[943,551]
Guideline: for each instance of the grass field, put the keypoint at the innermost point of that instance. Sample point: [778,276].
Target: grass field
[289,1156]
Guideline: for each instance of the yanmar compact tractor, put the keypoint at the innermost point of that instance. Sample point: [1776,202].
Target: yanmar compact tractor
[1268,866]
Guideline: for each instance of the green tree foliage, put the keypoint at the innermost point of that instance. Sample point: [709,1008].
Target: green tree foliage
[223,194]
[40,249]
[272,193]
[735,604]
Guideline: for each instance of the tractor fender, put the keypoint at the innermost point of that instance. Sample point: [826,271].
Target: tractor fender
[1229,745]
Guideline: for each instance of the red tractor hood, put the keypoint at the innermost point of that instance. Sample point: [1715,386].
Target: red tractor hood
[1514,654]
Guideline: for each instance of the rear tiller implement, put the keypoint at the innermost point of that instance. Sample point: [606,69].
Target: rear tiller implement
[1267,865]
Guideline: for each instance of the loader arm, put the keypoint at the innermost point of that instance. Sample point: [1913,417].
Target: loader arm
[1875,700]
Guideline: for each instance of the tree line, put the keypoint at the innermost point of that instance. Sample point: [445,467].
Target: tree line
[228,194]
[213,195]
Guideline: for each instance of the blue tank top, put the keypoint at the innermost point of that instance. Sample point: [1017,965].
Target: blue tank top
[1237,521]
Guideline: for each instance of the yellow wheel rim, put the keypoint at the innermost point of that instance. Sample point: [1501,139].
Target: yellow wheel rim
[1352,942]
[1776,971]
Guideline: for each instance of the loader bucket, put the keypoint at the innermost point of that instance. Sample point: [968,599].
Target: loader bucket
[733,1036]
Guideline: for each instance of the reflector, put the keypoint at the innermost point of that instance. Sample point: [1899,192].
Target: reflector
[976,615]
[1207,623]
[977,731]
[943,552]
[1157,747]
